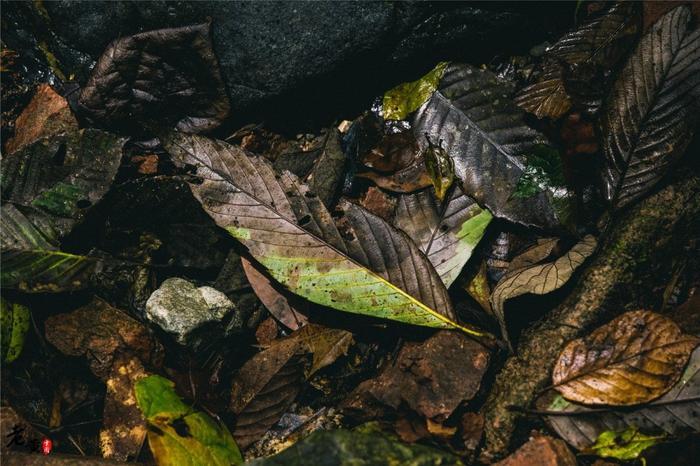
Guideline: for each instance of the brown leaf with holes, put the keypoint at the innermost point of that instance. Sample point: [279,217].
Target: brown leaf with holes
[123,425]
[633,359]
[101,333]
[47,114]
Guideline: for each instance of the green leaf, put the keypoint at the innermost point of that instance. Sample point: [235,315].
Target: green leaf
[15,324]
[625,445]
[405,98]
[179,435]
[359,264]
[31,261]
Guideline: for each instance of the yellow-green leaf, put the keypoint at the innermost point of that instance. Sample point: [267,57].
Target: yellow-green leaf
[405,98]
[15,323]
[625,445]
[177,434]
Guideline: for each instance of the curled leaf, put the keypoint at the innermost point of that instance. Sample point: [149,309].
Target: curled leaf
[626,445]
[539,279]
[651,114]
[177,434]
[633,359]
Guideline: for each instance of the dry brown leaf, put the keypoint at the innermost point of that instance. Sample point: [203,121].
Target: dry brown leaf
[123,426]
[47,114]
[541,451]
[102,332]
[547,96]
[633,359]
[533,254]
[539,279]
[273,300]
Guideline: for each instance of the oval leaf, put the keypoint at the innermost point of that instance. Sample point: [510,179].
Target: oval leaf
[651,114]
[362,265]
[634,359]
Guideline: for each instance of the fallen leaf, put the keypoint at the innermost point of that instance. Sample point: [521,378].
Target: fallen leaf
[60,177]
[123,426]
[267,384]
[167,75]
[328,172]
[446,233]
[288,230]
[633,359]
[674,414]
[46,115]
[479,289]
[485,134]
[31,261]
[393,152]
[101,332]
[406,98]
[534,254]
[179,435]
[379,203]
[651,114]
[626,445]
[541,451]
[406,180]
[15,319]
[431,378]
[600,41]
[539,279]
[273,300]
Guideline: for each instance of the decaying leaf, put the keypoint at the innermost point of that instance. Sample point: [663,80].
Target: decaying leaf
[31,261]
[600,42]
[651,113]
[406,98]
[101,332]
[15,320]
[479,289]
[446,232]
[327,173]
[534,254]
[177,434]
[674,414]
[156,75]
[61,176]
[539,279]
[485,134]
[432,378]
[268,383]
[361,265]
[273,300]
[47,114]
[541,450]
[123,426]
[626,445]
[634,359]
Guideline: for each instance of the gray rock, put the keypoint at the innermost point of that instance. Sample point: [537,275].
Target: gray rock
[181,309]
[308,58]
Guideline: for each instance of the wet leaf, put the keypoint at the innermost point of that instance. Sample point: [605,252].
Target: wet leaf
[406,98]
[674,414]
[267,384]
[432,378]
[177,434]
[273,300]
[543,171]
[626,445]
[123,426]
[169,76]
[288,230]
[31,261]
[47,114]
[634,359]
[15,324]
[651,113]
[539,279]
[62,176]
[485,134]
[446,232]
[599,42]
[101,333]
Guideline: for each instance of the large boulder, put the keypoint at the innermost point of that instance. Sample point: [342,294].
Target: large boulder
[309,59]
